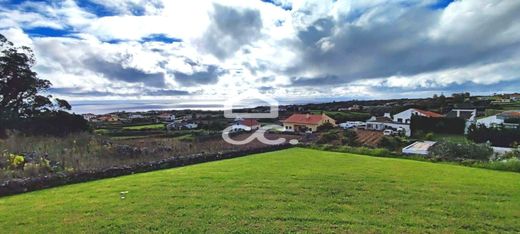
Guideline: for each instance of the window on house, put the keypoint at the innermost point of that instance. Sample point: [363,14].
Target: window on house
[400,120]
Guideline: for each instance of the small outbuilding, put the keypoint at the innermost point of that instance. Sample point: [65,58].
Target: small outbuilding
[419,147]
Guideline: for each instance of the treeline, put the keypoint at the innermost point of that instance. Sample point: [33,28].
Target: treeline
[58,123]
[437,125]
[499,136]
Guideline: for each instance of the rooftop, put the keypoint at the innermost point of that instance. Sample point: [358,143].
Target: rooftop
[304,119]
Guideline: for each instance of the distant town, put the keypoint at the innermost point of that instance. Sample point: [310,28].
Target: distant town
[371,119]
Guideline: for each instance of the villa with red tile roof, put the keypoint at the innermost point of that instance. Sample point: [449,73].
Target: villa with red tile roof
[306,122]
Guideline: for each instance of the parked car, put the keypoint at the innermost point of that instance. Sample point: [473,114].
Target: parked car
[388,132]
[350,124]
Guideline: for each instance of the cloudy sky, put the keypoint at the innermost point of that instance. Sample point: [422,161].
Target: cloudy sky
[132,54]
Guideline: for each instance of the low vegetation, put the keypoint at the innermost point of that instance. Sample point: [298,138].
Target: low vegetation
[31,156]
[296,190]
[498,136]
[456,151]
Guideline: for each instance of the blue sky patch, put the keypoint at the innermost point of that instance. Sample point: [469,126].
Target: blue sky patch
[97,9]
[47,32]
[441,4]
[161,38]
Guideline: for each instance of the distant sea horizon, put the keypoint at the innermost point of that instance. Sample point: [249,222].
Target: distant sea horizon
[109,106]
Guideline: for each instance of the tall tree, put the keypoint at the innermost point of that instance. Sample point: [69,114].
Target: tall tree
[20,87]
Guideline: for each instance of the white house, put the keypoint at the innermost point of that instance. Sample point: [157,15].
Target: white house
[384,122]
[89,117]
[500,119]
[136,116]
[406,116]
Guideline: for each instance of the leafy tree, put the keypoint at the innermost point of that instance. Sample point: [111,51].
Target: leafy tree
[20,86]
[22,106]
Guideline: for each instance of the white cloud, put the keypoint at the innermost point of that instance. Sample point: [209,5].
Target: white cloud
[289,48]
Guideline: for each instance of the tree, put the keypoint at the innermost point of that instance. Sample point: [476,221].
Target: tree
[22,107]
[20,86]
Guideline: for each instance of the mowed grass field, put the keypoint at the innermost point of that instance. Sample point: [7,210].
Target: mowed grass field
[294,190]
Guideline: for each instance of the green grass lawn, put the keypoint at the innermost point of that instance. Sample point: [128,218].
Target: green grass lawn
[295,190]
[158,126]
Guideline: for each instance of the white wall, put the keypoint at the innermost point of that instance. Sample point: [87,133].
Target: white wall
[490,121]
[405,116]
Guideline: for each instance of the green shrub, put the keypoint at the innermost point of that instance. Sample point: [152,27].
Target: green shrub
[16,161]
[391,143]
[458,151]
[510,155]
[429,136]
[328,137]
[325,127]
[351,138]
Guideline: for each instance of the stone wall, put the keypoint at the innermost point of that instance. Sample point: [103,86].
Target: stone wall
[17,186]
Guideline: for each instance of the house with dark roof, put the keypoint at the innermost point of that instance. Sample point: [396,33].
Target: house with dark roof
[469,115]
[306,122]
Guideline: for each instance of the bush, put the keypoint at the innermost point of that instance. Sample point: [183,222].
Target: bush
[325,127]
[459,151]
[391,143]
[510,155]
[16,161]
[351,138]
[429,136]
[498,136]
[328,137]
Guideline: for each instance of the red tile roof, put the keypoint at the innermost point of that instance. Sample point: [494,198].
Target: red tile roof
[249,122]
[511,114]
[303,119]
[429,113]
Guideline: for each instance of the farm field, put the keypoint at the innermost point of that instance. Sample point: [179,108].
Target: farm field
[158,126]
[294,190]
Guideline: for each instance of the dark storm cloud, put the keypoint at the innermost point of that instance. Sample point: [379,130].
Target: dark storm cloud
[116,71]
[231,29]
[210,76]
[340,52]
[315,81]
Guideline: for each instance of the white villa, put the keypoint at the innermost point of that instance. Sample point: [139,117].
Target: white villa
[500,119]
[400,122]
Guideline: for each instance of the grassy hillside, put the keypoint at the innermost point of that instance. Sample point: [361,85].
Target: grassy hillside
[290,190]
